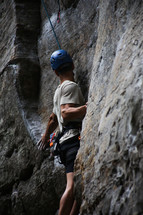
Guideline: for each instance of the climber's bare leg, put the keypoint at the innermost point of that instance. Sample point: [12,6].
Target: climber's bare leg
[67,200]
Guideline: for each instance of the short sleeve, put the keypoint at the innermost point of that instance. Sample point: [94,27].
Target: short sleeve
[71,94]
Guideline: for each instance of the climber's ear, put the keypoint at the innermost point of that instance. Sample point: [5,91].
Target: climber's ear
[56,72]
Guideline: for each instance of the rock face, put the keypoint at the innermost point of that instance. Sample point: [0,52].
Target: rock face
[105,39]
[28,178]
[112,137]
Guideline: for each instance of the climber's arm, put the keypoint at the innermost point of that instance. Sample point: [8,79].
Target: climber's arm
[71,111]
[51,126]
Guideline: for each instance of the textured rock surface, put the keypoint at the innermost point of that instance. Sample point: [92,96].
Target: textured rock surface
[105,39]
[110,157]
[27,177]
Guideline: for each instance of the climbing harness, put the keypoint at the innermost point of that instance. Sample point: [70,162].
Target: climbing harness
[59,149]
[68,147]
[51,22]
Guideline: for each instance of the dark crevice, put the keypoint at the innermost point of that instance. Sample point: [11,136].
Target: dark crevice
[26,173]
[7,207]
[6,189]
[69,3]
[84,83]
[136,113]
[27,68]
[28,81]
[10,151]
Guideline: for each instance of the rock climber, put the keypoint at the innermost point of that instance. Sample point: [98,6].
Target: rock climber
[69,110]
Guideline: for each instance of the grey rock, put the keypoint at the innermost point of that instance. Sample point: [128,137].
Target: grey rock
[105,39]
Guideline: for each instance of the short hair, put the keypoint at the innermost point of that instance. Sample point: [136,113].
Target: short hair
[65,68]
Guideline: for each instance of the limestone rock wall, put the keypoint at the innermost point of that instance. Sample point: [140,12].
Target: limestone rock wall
[27,177]
[105,39]
[110,157]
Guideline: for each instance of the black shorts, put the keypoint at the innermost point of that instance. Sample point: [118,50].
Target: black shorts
[68,153]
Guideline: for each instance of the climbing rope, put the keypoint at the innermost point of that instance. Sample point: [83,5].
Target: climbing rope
[51,22]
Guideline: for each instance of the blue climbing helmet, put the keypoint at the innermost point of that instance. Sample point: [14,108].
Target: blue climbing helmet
[60,57]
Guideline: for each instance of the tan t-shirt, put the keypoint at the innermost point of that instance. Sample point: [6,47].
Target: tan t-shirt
[66,93]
